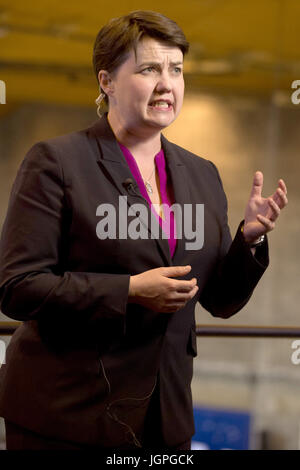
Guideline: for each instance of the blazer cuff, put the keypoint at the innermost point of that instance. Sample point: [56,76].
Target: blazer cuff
[261,256]
[114,298]
[112,307]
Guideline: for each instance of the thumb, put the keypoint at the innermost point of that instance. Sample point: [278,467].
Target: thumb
[257,185]
[176,271]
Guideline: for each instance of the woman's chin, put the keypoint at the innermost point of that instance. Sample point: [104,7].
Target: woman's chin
[160,120]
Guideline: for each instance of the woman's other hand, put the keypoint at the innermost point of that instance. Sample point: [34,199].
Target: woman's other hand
[157,289]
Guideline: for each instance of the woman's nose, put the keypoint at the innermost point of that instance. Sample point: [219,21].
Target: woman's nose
[164,83]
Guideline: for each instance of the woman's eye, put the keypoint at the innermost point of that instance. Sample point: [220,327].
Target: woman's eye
[148,69]
[177,70]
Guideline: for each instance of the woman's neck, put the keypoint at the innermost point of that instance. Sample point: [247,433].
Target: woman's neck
[144,145]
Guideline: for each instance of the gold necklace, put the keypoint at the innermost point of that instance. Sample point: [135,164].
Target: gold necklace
[148,184]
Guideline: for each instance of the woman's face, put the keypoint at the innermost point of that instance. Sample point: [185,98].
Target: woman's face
[146,91]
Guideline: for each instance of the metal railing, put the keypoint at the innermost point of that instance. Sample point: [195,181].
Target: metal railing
[7,328]
[248,331]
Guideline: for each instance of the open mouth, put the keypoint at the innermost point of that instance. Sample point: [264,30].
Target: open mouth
[161,105]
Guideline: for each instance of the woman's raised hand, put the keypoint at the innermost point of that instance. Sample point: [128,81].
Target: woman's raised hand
[261,213]
[157,289]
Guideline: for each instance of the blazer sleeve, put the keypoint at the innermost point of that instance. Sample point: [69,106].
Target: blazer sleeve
[237,271]
[33,282]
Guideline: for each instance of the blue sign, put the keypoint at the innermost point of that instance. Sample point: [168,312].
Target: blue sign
[221,429]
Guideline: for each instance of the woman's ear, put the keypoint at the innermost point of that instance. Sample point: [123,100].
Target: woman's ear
[105,82]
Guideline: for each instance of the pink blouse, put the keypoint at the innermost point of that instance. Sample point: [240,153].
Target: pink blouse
[168,224]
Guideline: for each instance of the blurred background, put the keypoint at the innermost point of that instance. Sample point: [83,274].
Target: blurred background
[239,113]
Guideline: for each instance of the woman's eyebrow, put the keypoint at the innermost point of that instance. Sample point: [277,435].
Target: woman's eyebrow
[153,63]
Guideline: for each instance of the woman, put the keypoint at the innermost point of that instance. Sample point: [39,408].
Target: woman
[104,276]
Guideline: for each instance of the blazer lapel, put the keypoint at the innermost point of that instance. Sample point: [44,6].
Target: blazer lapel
[179,181]
[111,159]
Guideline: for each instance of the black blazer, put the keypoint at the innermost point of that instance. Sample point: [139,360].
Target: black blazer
[83,364]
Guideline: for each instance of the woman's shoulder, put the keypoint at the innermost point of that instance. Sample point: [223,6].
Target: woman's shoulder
[61,148]
[65,142]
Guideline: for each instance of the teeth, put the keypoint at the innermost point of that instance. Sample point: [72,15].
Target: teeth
[161,104]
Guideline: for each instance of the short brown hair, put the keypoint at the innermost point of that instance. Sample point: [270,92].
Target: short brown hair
[120,35]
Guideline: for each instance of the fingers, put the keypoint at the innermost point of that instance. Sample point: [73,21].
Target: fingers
[269,224]
[179,298]
[257,185]
[277,202]
[282,186]
[179,301]
[280,197]
[176,284]
[184,286]
[275,210]
[179,293]
[175,271]
[185,296]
